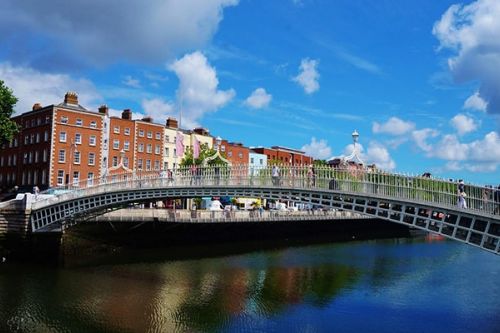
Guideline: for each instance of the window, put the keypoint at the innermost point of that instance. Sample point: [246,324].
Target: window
[37,138]
[64,120]
[230,154]
[157,165]
[150,135]
[261,161]
[14,159]
[35,176]
[36,157]
[76,178]
[39,121]
[126,145]
[149,148]
[116,129]
[126,131]
[141,148]
[26,139]
[1,161]
[15,140]
[78,139]
[25,158]
[125,162]
[79,122]
[90,179]
[158,136]
[157,150]
[62,137]
[9,158]
[47,119]
[222,148]
[167,138]
[45,136]
[251,160]
[32,138]
[166,152]
[92,140]
[76,157]
[93,124]
[60,177]
[30,160]
[240,155]
[139,164]
[44,177]
[165,165]
[62,156]
[115,161]
[45,155]
[141,133]
[116,144]
[24,178]
[148,165]
[91,159]
[175,152]
[33,122]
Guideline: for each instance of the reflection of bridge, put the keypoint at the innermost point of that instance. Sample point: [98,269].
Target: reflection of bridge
[422,203]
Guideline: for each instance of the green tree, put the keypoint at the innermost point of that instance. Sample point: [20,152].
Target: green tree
[205,152]
[8,128]
[320,163]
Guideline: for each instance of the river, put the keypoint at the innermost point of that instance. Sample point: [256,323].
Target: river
[396,285]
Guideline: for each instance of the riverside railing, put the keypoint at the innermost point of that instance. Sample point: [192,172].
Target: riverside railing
[351,180]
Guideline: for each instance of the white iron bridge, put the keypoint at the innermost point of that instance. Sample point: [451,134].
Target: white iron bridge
[420,202]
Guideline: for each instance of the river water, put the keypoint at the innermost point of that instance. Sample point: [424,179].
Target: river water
[396,285]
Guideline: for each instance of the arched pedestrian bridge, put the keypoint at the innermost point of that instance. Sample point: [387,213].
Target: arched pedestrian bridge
[424,203]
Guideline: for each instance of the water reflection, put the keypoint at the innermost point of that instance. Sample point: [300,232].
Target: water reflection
[247,292]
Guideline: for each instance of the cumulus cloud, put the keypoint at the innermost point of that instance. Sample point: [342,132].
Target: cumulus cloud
[463,124]
[318,149]
[198,92]
[375,154]
[103,31]
[420,138]
[32,86]
[308,76]
[475,102]
[258,99]
[472,33]
[394,126]
[158,108]
[479,155]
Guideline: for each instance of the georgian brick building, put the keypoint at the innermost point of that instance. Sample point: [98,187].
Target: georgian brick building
[283,155]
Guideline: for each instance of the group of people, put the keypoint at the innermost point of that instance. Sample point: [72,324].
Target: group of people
[276,176]
[490,198]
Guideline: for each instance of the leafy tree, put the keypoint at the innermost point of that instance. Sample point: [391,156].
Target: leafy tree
[8,128]
[205,152]
[320,163]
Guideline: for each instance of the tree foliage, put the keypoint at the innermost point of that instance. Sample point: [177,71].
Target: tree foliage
[205,152]
[8,128]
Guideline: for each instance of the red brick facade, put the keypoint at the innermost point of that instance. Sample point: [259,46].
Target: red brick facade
[284,155]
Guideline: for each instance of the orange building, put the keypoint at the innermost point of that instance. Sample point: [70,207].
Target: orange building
[235,152]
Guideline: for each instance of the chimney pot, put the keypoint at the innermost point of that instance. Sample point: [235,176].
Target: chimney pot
[127,114]
[37,106]
[172,123]
[71,97]
[103,109]
[148,119]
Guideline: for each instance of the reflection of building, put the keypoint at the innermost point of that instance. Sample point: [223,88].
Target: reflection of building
[283,155]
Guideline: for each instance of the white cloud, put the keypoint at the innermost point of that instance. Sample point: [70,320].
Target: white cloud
[198,92]
[31,86]
[131,82]
[103,31]
[475,102]
[379,155]
[158,108]
[472,32]
[308,76]
[479,155]
[463,124]
[318,149]
[394,126]
[375,154]
[420,138]
[258,99]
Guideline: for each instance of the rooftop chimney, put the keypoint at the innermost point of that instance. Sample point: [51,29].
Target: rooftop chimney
[37,106]
[71,98]
[172,122]
[127,114]
[148,119]
[201,131]
[103,109]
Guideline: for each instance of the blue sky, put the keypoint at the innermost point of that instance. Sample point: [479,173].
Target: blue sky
[419,80]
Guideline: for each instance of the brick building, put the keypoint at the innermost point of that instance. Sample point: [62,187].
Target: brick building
[235,152]
[283,155]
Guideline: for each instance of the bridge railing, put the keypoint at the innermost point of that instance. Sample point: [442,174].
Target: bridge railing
[372,182]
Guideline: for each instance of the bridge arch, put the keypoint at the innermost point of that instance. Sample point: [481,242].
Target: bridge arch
[476,229]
